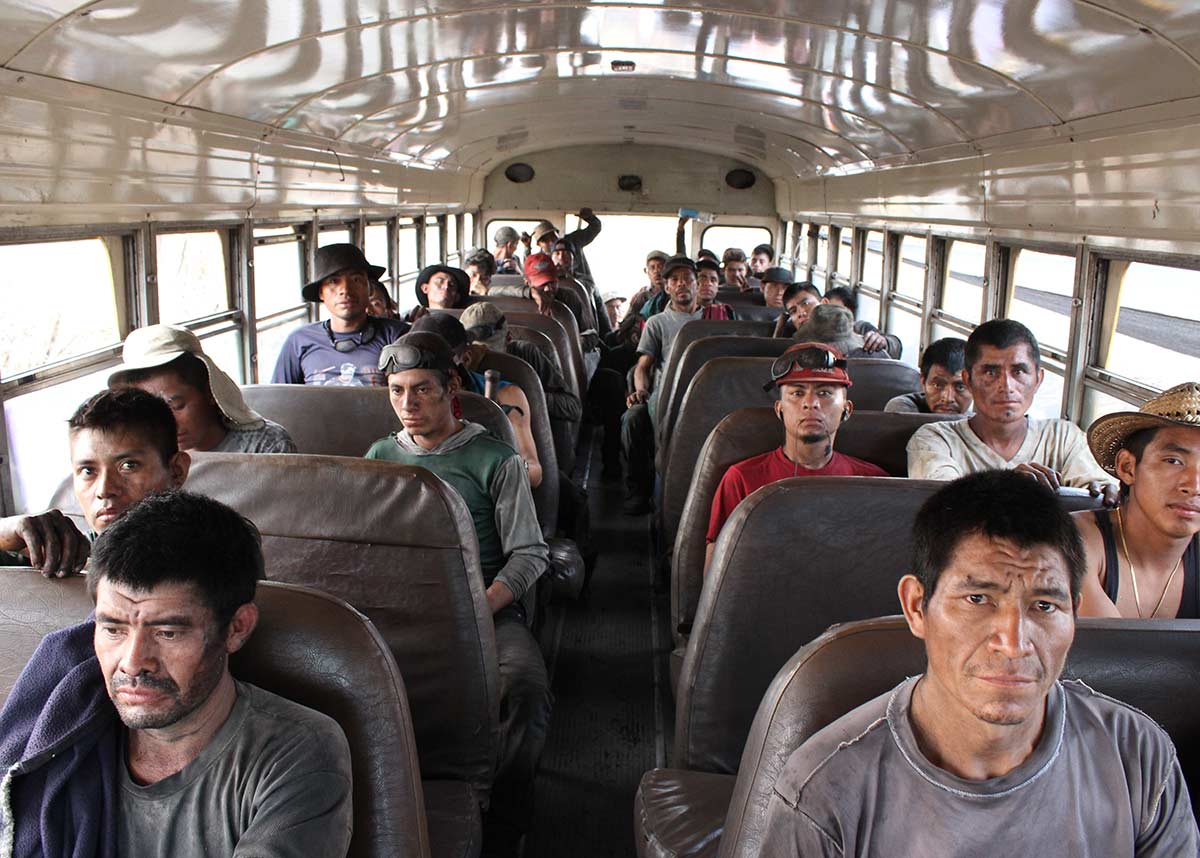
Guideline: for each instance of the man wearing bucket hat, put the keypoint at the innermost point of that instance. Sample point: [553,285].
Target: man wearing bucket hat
[442,287]
[344,349]
[834,326]
[1143,559]
[210,414]
[813,403]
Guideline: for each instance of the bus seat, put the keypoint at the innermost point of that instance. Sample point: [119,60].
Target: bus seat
[870,435]
[878,380]
[1148,664]
[398,544]
[518,311]
[346,421]
[539,340]
[308,647]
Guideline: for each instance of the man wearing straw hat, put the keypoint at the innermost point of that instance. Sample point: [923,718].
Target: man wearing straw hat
[1143,559]
[210,413]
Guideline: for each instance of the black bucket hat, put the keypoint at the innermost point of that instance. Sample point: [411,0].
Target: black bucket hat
[462,281]
[333,258]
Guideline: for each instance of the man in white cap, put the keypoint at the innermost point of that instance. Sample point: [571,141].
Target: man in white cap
[344,349]
[1152,540]
[210,413]
[612,306]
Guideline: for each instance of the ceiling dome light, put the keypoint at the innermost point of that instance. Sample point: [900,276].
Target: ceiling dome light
[623,65]
[519,173]
[740,179]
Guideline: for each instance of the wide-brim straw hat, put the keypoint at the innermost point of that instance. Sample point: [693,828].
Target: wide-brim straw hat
[1179,406]
[158,345]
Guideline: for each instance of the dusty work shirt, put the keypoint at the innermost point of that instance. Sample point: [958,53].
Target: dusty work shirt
[270,437]
[274,782]
[1103,780]
[949,450]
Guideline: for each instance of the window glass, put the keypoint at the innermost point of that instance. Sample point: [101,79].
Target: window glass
[1097,403]
[1043,284]
[433,241]
[1157,336]
[278,276]
[817,278]
[268,231]
[469,239]
[193,277]
[718,239]
[845,253]
[800,251]
[910,270]
[270,343]
[868,308]
[523,226]
[1047,403]
[37,437]
[226,351]
[962,296]
[907,326]
[872,275]
[939,331]
[822,246]
[451,235]
[334,236]
[408,264]
[617,258]
[82,317]
[377,245]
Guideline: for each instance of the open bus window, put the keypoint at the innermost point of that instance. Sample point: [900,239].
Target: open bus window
[88,275]
[1043,285]
[469,241]
[451,237]
[910,268]
[720,237]
[1097,403]
[278,273]
[962,295]
[193,275]
[1155,336]
[845,255]
[433,241]
[906,325]
[617,257]
[409,263]
[376,249]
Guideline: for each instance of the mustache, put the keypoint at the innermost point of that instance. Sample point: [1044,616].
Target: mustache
[144,680]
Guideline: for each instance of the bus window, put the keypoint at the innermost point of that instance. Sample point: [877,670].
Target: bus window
[821,265]
[82,317]
[376,248]
[1048,403]
[433,241]
[337,235]
[617,258]
[193,275]
[799,251]
[408,262]
[906,324]
[962,295]
[469,241]
[910,270]
[719,237]
[1155,339]
[871,284]
[226,351]
[1097,403]
[452,237]
[1042,287]
[278,272]
[845,255]
[270,342]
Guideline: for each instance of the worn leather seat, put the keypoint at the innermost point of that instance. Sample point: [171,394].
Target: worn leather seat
[308,647]
[870,435]
[346,421]
[518,311]
[700,329]
[725,384]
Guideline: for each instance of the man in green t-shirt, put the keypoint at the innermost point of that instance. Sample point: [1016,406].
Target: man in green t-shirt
[492,480]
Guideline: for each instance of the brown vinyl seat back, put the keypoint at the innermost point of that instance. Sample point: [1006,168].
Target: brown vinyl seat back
[869,435]
[518,312]
[539,340]
[308,647]
[689,358]
[399,545]
[1149,664]
[557,334]
[877,380]
[793,559]
[545,496]
[346,421]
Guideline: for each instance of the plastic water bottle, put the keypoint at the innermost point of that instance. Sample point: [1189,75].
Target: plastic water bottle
[698,216]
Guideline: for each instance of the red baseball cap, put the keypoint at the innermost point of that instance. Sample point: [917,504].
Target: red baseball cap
[809,362]
[540,269]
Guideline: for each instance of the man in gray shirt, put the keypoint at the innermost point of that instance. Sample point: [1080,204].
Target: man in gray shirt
[987,753]
[206,765]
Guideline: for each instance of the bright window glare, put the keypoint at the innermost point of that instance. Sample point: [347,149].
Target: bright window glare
[618,255]
[719,238]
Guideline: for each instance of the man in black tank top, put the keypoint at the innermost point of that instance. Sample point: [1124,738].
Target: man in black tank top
[1144,557]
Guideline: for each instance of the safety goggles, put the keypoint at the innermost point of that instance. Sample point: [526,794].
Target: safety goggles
[800,360]
[399,357]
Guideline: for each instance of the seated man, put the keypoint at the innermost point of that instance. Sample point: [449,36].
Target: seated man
[440,287]
[812,405]
[734,271]
[761,259]
[481,267]
[943,390]
[1003,371]
[708,278]
[162,751]
[509,396]
[123,446]
[545,235]
[507,260]
[654,347]
[774,282]
[612,307]
[380,302]
[655,260]
[490,477]
[833,325]
[948,762]
[1155,453]
[210,413]
[581,303]
[344,349]
[801,298]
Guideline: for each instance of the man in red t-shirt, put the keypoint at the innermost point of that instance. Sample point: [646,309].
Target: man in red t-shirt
[813,404]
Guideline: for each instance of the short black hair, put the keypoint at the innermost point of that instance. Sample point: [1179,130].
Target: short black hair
[130,409]
[800,286]
[705,253]
[766,249]
[1001,334]
[996,504]
[733,254]
[846,296]
[948,352]
[483,260]
[178,537]
[190,369]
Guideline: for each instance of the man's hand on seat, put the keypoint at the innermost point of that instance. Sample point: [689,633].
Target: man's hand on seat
[52,541]
[1109,493]
[873,341]
[1048,477]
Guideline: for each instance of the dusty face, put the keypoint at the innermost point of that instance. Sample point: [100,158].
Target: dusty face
[564,261]
[773,293]
[759,262]
[161,652]
[377,304]
[421,400]
[654,272]
[613,308]
[946,392]
[441,291]
[681,287]
[812,411]
[735,273]
[800,306]
[200,424]
[1165,484]
[1003,382]
[706,285]
[997,629]
[345,296]
[479,280]
[112,471]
